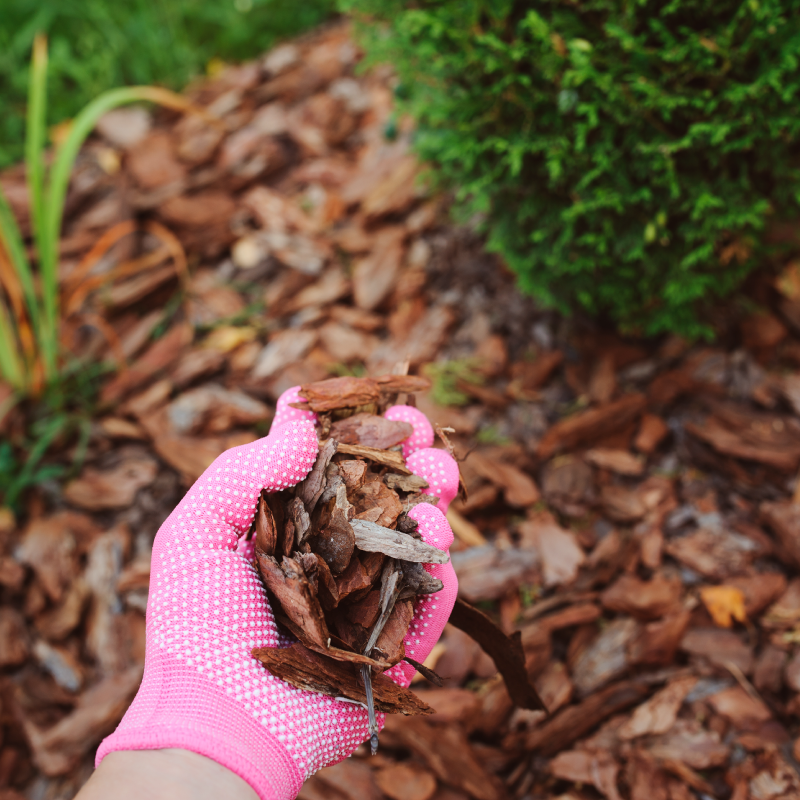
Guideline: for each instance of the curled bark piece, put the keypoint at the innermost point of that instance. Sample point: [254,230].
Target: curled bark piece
[397,384]
[313,672]
[346,392]
[266,534]
[336,539]
[375,539]
[389,458]
[284,526]
[406,524]
[405,483]
[417,581]
[311,489]
[505,651]
[290,585]
[327,590]
[371,430]
[300,521]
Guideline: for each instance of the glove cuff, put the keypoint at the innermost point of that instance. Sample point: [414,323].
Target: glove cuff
[176,706]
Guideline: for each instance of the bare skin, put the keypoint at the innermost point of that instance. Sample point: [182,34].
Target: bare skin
[169,774]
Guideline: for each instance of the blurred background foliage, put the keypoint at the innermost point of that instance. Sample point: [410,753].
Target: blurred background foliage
[623,156]
[99,44]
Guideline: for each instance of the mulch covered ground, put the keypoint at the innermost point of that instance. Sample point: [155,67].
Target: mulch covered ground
[630,504]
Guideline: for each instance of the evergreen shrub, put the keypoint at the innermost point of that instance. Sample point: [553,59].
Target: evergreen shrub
[623,155]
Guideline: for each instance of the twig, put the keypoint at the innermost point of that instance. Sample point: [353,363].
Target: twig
[373,723]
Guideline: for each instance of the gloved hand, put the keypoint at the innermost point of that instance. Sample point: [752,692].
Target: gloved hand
[202,690]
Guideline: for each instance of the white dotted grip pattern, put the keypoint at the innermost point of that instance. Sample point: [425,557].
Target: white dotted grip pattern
[207,610]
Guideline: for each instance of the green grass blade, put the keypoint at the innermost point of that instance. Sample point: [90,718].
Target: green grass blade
[82,126]
[35,131]
[35,137]
[51,430]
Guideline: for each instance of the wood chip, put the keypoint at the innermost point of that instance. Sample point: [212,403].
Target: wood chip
[290,585]
[658,713]
[505,651]
[311,488]
[575,721]
[405,483]
[336,539]
[519,489]
[339,393]
[313,672]
[374,539]
[588,426]
[115,487]
[619,461]
[388,458]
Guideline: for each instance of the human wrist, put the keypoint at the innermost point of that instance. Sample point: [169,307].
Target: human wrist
[167,774]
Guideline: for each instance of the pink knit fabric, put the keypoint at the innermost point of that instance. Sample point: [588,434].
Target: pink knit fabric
[202,690]
[423,432]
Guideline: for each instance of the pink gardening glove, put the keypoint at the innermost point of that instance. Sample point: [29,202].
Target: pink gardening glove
[202,690]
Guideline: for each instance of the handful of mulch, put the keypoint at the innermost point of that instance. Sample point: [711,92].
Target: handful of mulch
[342,560]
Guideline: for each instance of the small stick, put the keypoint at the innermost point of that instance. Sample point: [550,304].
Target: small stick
[373,723]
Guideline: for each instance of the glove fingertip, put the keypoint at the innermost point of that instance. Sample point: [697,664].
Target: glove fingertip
[422,436]
[433,526]
[439,470]
[293,447]
[285,413]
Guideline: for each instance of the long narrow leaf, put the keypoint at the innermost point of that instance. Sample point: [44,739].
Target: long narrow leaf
[51,430]
[11,367]
[58,184]
[11,239]
[82,126]
[9,281]
[35,132]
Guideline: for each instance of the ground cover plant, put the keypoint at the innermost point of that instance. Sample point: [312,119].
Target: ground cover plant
[623,157]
